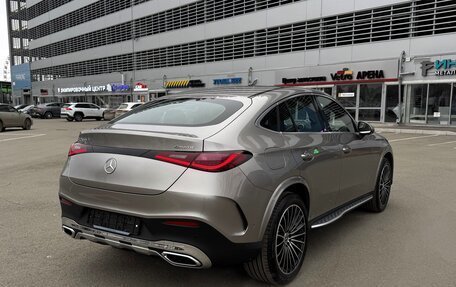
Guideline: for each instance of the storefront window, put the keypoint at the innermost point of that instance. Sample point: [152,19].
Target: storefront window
[392,108]
[352,112]
[370,115]
[453,106]
[438,106]
[370,96]
[346,94]
[417,105]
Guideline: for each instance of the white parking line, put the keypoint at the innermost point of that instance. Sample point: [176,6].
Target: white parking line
[436,144]
[412,138]
[13,134]
[19,138]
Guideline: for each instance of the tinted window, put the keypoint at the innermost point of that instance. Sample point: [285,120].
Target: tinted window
[135,106]
[286,122]
[66,105]
[304,114]
[271,120]
[83,106]
[3,108]
[94,107]
[184,112]
[337,118]
[11,109]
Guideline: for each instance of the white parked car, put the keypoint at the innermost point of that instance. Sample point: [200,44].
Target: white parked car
[80,111]
[126,107]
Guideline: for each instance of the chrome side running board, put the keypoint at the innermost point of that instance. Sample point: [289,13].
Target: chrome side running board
[177,254]
[336,215]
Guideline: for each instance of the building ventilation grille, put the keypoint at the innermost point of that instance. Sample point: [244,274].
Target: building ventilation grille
[412,19]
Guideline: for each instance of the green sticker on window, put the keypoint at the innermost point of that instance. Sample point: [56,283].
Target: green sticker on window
[316,151]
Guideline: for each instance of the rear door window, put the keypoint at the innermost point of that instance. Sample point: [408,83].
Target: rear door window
[193,112]
[271,120]
[336,116]
[304,114]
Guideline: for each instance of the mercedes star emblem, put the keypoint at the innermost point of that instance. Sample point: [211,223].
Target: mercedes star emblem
[110,165]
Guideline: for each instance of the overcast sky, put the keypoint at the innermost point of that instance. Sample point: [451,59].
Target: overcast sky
[4,51]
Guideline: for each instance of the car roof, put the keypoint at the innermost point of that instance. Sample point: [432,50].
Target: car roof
[273,93]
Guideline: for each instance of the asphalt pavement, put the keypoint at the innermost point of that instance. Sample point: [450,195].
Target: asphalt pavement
[412,243]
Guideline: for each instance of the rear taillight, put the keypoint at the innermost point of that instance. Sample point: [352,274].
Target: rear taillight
[78,148]
[206,161]
[68,109]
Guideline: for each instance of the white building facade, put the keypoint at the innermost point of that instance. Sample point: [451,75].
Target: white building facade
[385,60]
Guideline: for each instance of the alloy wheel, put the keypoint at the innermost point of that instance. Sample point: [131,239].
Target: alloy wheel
[385,184]
[290,239]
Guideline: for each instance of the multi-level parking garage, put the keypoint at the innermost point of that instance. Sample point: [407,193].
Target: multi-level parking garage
[384,60]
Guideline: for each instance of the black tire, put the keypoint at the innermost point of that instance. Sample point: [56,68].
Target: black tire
[78,117]
[382,188]
[103,117]
[48,115]
[2,128]
[27,124]
[267,267]
[70,119]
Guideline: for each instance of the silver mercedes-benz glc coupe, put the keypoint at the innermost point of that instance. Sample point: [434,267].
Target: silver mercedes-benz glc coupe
[224,176]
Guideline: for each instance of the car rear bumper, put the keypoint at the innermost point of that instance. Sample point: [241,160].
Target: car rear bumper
[177,254]
[199,247]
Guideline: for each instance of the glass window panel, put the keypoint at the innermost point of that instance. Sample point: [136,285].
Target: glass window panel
[453,106]
[370,96]
[337,118]
[439,104]
[286,123]
[392,103]
[346,94]
[304,114]
[417,108]
[370,115]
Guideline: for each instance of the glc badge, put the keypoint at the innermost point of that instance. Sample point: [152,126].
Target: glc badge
[110,165]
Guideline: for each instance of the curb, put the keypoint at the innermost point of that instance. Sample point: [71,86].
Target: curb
[418,132]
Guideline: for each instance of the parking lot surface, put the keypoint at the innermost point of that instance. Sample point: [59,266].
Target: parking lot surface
[413,243]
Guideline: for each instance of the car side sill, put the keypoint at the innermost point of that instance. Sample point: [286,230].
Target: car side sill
[336,214]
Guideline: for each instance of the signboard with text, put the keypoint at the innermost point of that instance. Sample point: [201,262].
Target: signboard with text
[20,76]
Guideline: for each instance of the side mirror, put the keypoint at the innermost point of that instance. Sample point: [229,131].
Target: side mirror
[365,129]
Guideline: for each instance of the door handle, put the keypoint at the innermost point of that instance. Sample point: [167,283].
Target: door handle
[346,149]
[307,156]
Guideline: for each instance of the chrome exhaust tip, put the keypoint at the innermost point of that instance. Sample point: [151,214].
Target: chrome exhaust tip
[69,231]
[181,260]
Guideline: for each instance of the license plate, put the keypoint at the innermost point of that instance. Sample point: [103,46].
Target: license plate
[113,222]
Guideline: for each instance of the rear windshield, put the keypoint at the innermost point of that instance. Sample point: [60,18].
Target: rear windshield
[184,112]
[66,105]
[123,106]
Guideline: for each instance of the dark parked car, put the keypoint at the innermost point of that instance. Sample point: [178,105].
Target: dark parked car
[224,176]
[47,111]
[12,118]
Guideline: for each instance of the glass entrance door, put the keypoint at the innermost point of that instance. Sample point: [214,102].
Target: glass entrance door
[370,102]
[438,104]
[392,106]
[417,104]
